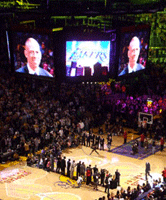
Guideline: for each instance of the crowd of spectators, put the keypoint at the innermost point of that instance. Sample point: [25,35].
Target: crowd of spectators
[141,192]
[119,103]
[38,114]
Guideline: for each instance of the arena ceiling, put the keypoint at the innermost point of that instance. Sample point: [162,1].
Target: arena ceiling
[101,14]
[82,7]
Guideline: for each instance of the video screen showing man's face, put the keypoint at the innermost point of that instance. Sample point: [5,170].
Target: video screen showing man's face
[33,54]
[133,52]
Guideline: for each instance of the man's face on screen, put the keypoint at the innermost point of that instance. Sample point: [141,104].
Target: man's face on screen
[133,50]
[32,53]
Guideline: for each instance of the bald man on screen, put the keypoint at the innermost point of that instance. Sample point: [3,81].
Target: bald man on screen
[33,54]
[133,54]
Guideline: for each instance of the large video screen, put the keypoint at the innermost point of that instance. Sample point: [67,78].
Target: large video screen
[87,58]
[33,54]
[133,52]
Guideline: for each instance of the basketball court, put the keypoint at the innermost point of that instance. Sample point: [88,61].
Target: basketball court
[20,182]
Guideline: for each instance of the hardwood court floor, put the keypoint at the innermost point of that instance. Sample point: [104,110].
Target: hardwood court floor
[19,182]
